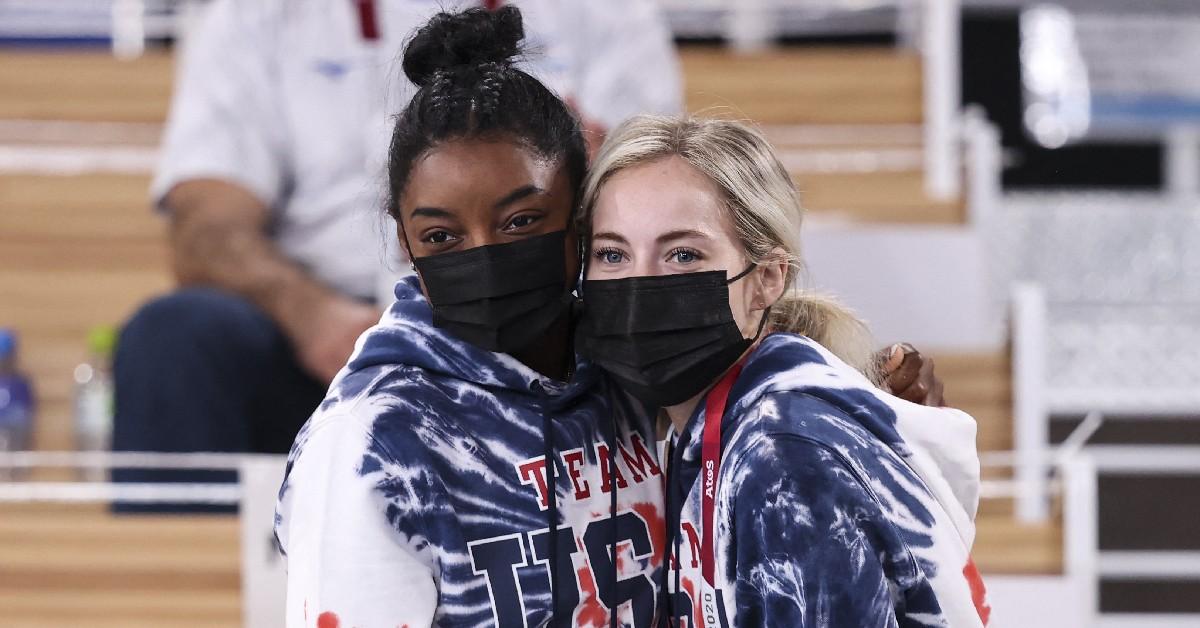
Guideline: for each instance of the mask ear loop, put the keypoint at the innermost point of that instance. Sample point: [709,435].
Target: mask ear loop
[762,322]
[749,269]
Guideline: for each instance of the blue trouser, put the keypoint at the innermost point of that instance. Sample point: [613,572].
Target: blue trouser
[204,370]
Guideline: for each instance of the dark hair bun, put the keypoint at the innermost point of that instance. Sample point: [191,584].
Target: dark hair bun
[465,39]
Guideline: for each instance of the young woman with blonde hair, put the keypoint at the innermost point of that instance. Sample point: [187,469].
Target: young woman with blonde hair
[798,493]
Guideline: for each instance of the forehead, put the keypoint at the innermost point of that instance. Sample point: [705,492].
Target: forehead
[460,172]
[664,194]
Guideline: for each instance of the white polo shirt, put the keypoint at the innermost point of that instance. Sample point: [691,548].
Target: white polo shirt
[289,99]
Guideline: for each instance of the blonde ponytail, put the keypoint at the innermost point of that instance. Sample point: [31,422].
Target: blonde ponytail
[763,206]
[829,323]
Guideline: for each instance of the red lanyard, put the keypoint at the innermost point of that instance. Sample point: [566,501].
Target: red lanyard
[710,467]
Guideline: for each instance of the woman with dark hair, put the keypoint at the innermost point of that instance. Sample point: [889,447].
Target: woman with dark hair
[419,493]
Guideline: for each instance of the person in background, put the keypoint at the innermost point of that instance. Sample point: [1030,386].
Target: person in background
[271,177]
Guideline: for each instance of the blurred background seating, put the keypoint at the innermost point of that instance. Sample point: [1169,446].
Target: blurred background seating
[844,90]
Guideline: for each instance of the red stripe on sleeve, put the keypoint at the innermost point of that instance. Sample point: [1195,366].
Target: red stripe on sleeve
[978,591]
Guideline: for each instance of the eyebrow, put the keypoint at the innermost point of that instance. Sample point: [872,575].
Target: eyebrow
[679,234]
[609,235]
[517,194]
[430,212]
[666,237]
[508,199]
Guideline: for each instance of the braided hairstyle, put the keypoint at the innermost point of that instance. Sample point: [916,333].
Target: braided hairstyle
[469,87]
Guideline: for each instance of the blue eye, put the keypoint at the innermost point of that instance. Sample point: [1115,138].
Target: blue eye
[684,256]
[609,256]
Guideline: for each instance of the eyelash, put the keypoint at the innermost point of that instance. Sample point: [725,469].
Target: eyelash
[533,218]
[602,254]
[428,239]
[693,252]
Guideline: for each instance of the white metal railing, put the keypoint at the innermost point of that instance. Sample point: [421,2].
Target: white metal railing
[1147,565]
[1147,459]
[984,153]
[1080,527]
[217,461]
[128,492]
[1150,564]
[1031,430]
[221,493]
[1075,483]
[1077,470]
[1039,394]
[262,571]
[940,54]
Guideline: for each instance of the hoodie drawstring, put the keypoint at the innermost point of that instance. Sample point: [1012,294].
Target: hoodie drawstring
[552,513]
[612,514]
[672,517]
[666,603]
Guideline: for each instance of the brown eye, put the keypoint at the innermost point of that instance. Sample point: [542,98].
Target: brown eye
[438,237]
[521,221]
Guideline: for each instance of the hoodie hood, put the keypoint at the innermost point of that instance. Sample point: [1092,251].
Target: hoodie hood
[406,337]
[938,444]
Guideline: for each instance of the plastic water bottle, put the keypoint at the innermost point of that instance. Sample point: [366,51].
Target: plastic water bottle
[94,397]
[16,401]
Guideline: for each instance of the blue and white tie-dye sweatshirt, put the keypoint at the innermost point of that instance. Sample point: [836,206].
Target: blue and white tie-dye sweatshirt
[837,505]
[417,494]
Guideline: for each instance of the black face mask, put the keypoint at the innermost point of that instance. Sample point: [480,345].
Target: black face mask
[500,297]
[662,338]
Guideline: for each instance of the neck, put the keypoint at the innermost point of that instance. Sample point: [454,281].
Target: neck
[681,412]
[551,355]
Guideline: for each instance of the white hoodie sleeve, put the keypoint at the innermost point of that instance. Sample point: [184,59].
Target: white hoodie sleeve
[346,565]
[943,452]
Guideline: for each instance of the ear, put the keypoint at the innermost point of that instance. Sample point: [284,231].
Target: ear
[772,280]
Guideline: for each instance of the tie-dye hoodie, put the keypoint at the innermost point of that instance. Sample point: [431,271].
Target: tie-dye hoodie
[416,495]
[836,505]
